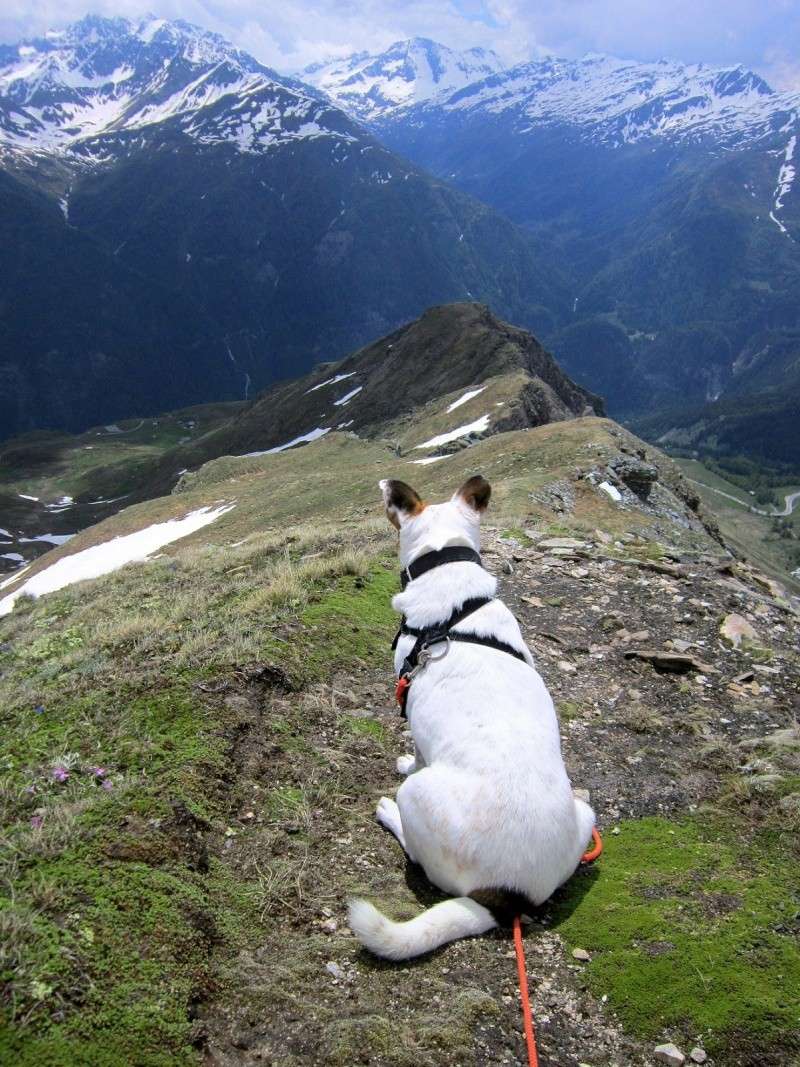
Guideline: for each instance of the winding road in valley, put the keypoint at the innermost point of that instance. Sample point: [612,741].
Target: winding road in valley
[790,501]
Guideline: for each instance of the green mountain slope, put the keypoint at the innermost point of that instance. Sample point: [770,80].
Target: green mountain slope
[83,335]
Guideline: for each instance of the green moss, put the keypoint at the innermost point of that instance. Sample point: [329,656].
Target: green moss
[367,728]
[352,621]
[518,535]
[109,931]
[689,926]
[567,710]
[128,945]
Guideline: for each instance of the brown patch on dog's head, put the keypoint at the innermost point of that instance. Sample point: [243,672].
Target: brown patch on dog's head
[475,493]
[401,501]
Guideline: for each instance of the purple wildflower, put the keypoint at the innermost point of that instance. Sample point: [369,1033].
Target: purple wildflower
[107,784]
[39,709]
[60,774]
[98,772]
[30,788]
[36,821]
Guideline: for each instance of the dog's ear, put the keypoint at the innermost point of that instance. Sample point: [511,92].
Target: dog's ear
[401,501]
[475,493]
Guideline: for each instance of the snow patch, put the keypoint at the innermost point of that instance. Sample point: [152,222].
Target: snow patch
[465,399]
[786,176]
[61,504]
[612,491]
[480,425]
[53,539]
[430,459]
[346,399]
[330,381]
[111,555]
[312,435]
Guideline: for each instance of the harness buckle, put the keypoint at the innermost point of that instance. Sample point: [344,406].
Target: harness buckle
[423,659]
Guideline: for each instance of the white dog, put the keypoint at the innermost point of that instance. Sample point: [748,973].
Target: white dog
[487,808]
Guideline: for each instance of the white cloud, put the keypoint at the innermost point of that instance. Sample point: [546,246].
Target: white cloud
[289,35]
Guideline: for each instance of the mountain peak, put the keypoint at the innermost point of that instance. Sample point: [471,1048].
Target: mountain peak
[370,85]
[455,374]
[104,78]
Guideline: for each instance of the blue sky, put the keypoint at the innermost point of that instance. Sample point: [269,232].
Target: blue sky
[762,34]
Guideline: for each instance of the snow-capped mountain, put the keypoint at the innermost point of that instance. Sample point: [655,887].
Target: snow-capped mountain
[103,80]
[179,223]
[371,86]
[608,102]
[619,101]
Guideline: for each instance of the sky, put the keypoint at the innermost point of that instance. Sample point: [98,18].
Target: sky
[287,35]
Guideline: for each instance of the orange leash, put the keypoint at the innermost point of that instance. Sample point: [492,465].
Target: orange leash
[522,972]
[595,850]
[527,1014]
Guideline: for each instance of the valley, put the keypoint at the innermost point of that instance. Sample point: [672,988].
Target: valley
[54,485]
[749,528]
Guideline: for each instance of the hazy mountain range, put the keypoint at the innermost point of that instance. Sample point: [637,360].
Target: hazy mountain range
[225,225]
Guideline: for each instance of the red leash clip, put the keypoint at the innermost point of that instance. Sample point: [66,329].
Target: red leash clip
[401,690]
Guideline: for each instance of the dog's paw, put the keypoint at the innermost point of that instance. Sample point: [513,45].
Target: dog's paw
[406,764]
[387,813]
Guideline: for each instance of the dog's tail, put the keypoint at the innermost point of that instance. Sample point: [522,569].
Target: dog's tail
[448,921]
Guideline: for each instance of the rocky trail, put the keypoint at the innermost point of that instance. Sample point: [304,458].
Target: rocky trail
[661,716]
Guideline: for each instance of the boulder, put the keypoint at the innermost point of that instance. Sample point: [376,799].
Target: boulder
[635,473]
[669,1053]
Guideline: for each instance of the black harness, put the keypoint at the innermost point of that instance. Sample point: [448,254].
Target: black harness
[440,633]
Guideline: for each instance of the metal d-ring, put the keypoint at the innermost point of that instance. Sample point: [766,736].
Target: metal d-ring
[434,659]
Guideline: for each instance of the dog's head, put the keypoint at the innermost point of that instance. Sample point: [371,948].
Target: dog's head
[431,527]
